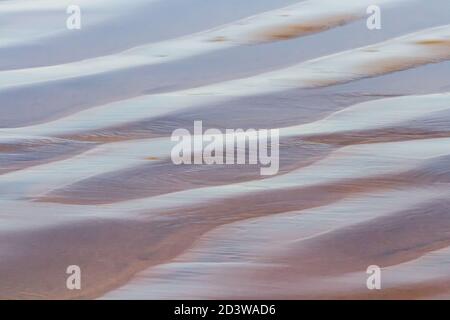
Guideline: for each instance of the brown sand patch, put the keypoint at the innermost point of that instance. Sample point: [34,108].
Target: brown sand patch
[285,32]
[165,177]
[388,240]
[402,236]
[146,181]
[424,290]
[384,65]
[376,136]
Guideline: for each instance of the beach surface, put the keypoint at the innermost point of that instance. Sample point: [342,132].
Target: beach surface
[86,176]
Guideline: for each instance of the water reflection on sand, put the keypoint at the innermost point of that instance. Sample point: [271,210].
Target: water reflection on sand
[86,176]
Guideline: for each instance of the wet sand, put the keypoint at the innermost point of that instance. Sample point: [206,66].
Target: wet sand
[86,176]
